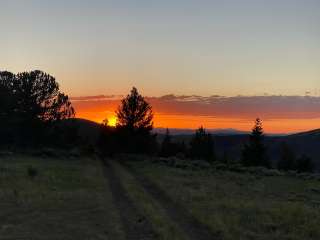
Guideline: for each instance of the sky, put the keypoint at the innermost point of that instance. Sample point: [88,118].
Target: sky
[182,47]
[280,114]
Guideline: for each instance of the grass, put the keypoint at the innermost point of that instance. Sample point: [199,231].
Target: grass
[55,198]
[69,198]
[243,205]
[161,223]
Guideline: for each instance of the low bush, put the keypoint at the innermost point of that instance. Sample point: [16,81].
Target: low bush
[32,172]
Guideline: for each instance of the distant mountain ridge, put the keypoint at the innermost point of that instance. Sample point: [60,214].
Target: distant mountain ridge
[315,132]
[85,125]
[227,141]
[189,131]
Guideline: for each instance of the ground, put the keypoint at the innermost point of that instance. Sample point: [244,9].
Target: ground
[242,205]
[68,199]
[86,198]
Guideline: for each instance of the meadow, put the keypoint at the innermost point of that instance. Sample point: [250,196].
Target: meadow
[246,205]
[73,197]
[56,197]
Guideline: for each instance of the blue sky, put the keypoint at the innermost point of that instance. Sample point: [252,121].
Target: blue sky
[182,47]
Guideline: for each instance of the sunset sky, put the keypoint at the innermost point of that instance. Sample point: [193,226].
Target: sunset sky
[215,63]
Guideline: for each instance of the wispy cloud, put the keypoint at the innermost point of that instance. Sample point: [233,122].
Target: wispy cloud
[95,98]
[281,114]
[267,107]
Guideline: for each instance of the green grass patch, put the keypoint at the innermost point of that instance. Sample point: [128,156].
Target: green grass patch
[55,198]
[149,207]
[243,205]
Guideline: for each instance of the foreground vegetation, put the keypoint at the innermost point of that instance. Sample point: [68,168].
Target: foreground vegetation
[242,205]
[55,198]
[62,197]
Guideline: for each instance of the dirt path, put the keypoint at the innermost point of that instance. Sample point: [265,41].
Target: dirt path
[135,225]
[190,225]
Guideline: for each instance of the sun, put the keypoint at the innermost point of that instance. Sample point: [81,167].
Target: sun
[112,121]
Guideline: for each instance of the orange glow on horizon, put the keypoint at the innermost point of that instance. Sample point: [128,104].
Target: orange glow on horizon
[193,122]
[279,114]
[270,125]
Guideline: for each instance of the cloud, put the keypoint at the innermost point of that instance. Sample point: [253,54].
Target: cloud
[268,107]
[247,107]
[94,98]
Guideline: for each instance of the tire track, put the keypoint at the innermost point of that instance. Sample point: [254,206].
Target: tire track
[135,225]
[185,220]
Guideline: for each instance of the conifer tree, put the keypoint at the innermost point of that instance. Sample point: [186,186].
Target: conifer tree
[287,159]
[202,145]
[166,146]
[134,113]
[254,152]
[134,125]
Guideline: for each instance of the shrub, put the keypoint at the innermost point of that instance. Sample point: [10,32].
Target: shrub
[287,158]
[305,164]
[32,172]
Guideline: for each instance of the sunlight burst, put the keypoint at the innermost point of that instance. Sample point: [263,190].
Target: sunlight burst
[112,121]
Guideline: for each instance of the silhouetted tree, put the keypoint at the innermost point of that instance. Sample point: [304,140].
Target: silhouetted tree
[202,145]
[39,97]
[31,101]
[287,159]
[170,148]
[6,96]
[134,113]
[182,149]
[166,146]
[7,108]
[254,153]
[66,134]
[107,140]
[305,164]
[134,124]
[178,149]
[105,123]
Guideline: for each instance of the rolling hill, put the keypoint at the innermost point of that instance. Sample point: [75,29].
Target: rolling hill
[227,141]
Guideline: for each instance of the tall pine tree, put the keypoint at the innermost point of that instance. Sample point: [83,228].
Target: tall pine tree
[254,152]
[202,145]
[134,125]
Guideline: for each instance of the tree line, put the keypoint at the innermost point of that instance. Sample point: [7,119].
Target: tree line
[31,106]
[133,134]
[33,112]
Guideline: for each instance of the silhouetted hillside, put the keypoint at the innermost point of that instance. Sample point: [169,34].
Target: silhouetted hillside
[87,130]
[307,143]
[188,131]
[314,133]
